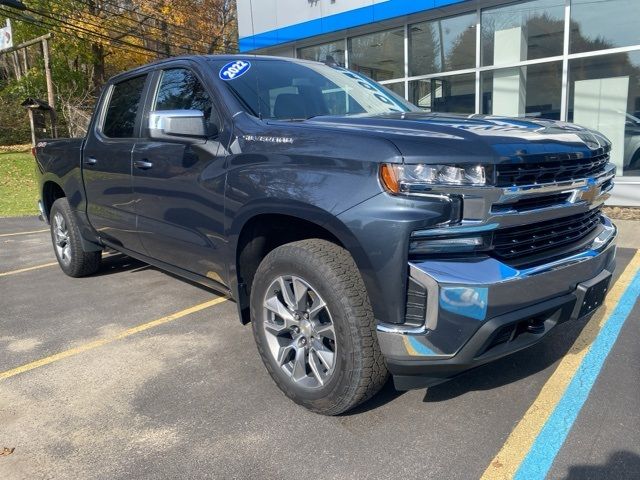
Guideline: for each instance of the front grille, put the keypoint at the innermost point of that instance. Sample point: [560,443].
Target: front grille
[557,168]
[525,240]
[532,203]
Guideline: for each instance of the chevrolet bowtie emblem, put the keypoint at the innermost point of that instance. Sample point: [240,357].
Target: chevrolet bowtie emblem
[589,192]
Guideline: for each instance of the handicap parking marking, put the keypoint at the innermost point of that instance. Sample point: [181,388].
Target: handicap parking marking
[106,340]
[23,233]
[532,446]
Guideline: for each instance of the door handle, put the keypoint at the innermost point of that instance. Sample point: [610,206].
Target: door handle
[142,164]
[90,161]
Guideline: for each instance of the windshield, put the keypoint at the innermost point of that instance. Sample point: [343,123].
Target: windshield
[285,90]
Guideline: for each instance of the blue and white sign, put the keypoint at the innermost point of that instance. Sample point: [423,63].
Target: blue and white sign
[266,23]
[234,69]
[6,37]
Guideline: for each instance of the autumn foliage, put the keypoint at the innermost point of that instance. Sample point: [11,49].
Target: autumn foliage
[95,39]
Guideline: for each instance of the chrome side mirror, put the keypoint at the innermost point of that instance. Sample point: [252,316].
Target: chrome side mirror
[177,125]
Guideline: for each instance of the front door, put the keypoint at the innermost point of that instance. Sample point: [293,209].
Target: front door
[107,159]
[179,187]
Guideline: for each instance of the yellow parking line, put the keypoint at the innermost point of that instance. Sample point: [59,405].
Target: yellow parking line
[28,269]
[505,464]
[36,267]
[103,341]
[23,233]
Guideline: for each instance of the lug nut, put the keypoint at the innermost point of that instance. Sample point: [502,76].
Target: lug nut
[303,341]
[295,329]
[306,316]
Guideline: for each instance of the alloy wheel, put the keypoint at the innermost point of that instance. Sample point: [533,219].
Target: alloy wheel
[61,238]
[300,332]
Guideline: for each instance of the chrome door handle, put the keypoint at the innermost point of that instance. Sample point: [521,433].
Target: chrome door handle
[90,161]
[142,164]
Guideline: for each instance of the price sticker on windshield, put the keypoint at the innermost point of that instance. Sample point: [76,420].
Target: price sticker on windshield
[234,70]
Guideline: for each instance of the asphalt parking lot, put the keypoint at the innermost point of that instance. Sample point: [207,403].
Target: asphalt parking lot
[98,380]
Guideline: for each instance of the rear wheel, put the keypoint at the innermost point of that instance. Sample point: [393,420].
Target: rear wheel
[314,327]
[67,243]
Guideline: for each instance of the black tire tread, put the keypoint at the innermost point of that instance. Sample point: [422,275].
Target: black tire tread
[369,372]
[82,263]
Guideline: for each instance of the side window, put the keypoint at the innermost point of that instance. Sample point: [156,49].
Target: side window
[120,120]
[180,89]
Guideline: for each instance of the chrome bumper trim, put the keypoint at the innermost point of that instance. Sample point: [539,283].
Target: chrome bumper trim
[475,280]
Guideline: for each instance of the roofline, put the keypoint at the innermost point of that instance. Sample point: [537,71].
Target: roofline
[199,59]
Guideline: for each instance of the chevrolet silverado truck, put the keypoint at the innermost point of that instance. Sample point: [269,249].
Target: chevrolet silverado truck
[359,235]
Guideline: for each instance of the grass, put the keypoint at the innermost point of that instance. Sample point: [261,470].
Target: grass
[18,186]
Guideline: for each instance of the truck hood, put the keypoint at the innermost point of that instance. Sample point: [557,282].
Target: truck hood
[424,137]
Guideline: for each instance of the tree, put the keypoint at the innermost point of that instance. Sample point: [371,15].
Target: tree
[95,39]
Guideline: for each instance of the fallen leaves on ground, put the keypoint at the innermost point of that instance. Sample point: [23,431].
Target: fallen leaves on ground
[622,213]
[6,451]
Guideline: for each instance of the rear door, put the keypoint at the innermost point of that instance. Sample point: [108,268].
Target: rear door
[107,163]
[179,186]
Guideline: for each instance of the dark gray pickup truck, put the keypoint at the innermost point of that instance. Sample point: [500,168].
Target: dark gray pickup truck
[359,235]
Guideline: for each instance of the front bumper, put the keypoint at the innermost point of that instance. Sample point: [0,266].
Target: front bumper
[481,309]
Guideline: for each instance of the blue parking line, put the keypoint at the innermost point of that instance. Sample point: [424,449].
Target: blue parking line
[537,463]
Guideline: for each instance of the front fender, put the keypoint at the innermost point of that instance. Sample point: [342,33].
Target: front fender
[303,211]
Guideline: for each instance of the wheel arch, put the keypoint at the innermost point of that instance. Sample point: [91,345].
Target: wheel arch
[256,234]
[51,191]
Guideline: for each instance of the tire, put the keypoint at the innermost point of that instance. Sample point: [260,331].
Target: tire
[67,242]
[343,363]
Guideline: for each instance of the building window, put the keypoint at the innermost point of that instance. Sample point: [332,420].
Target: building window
[379,56]
[441,45]
[453,94]
[532,91]
[332,52]
[522,31]
[601,25]
[604,94]
[397,88]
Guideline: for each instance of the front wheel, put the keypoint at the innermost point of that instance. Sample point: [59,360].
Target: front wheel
[67,242]
[314,327]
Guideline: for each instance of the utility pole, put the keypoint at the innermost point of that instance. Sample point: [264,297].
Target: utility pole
[47,71]
[51,99]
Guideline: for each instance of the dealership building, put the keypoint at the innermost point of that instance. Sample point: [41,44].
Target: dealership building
[570,60]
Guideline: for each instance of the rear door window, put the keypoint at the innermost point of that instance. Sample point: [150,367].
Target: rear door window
[120,119]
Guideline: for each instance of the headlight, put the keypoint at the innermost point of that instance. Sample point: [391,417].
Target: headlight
[401,178]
